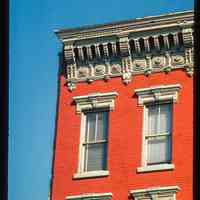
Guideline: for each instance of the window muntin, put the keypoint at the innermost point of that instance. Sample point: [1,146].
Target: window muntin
[95,141]
[158,133]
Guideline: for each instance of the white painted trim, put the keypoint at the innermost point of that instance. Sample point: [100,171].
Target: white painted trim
[160,167]
[95,101]
[95,95]
[154,190]
[82,137]
[91,174]
[88,195]
[158,93]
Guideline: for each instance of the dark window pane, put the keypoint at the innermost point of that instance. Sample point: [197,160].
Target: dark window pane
[91,124]
[159,150]
[96,157]
[102,126]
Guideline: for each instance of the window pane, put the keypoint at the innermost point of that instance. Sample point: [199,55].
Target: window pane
[159,150]
[165,118]
[96,157]
[91,122]
[153,119]
[102,126]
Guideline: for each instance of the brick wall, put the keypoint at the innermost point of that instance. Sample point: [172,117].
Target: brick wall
[124,140]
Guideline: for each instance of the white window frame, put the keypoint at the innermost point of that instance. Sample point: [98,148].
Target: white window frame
[153,95]
[89,103]
[145,135]
[87,196]
[155,193]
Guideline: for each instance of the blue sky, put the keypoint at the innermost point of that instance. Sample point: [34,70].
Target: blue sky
[33,77]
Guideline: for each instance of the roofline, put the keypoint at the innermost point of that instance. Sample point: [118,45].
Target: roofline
[64,33]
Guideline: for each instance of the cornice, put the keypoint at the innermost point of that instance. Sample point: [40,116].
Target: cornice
[177,19]
[123,49]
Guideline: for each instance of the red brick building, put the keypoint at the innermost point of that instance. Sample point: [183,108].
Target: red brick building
[125,111]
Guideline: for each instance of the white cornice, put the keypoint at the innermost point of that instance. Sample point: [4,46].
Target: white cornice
[162,21]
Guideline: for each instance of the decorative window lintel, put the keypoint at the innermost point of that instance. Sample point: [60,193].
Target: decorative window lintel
[155,193]
[95,101]
[102,196]
[158,93]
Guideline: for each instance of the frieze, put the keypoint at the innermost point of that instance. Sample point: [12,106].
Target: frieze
[177,60]
[158,61]
[139,64]
[83,72]
[127,67]
[115,68]
[99,70]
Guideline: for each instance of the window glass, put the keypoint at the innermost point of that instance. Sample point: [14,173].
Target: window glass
[158,150]
[95,145]
[96,157]
[158,135]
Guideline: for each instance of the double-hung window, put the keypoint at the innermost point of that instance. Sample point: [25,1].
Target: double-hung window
[158,133]
[93,152]
[157,103]
[94,145]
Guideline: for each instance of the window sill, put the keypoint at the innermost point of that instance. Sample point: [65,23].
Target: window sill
[160,167]
[92,174]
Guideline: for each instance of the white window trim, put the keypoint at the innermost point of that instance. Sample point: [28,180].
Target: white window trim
[154,94]
[92,174]
[106,196]
[158,93]
[153,192]
[95,101]
[89,103]
[159,167]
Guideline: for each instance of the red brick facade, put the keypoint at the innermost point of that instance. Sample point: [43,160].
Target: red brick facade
[124,139]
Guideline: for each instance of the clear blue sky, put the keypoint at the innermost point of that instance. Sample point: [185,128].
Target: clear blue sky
[33,77]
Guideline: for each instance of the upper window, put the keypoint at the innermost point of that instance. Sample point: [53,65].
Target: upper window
[158,134]
[94,146]
[157,126]
[94,109]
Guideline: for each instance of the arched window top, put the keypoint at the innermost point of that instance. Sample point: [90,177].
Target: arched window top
[85,56]
[180,39]
[151,43]
[110,51]
[161,41]
[101,50]
[76,54]
[93,51]
[141,42]
[118,49]
[171,40]
[132,46]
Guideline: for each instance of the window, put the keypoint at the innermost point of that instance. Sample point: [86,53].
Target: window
[94,109]
[157,126]
[158,134]
[94,144]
